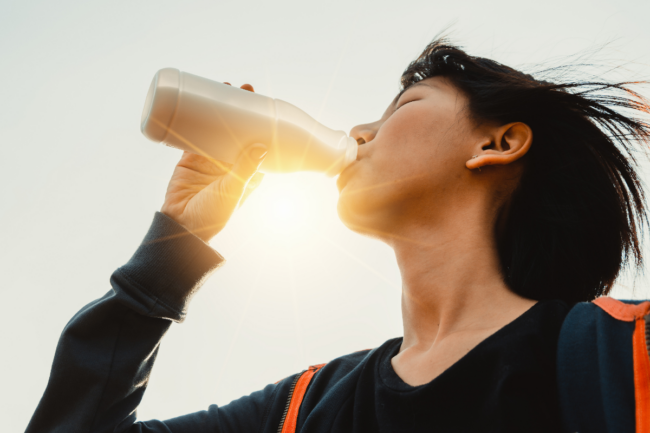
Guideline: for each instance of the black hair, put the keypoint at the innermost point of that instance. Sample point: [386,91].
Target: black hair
[577,215]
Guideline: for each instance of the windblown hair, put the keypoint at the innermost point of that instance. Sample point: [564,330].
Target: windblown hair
[577,215]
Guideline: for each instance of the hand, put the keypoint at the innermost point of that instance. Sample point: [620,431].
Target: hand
[203,192]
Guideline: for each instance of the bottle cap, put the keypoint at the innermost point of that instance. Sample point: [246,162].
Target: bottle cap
[160,104]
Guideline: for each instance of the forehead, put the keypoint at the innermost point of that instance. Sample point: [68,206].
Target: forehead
[440,85]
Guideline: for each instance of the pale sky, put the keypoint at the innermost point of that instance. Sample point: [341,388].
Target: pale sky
[80,184]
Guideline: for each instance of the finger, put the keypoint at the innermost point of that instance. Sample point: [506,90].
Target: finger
[203,165]
[255,180]
[251,186]
[244,169]
[248,87]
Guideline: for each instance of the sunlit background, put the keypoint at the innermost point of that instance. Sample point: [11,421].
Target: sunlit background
[79,183]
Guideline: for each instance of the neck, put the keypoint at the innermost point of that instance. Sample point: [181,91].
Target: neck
[451,279]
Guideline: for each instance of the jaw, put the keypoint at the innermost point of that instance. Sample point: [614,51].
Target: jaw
[370,216]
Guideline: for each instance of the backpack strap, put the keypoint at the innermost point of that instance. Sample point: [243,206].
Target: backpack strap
[639,314]
[296,394]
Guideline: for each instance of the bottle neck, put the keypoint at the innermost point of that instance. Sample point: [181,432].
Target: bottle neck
[350,152]
[350,155]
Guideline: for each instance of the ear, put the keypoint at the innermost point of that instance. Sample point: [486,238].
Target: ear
[504,145]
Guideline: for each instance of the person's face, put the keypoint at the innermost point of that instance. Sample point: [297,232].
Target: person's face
[411,162]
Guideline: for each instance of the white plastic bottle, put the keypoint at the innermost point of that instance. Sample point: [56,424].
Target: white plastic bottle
[217,120]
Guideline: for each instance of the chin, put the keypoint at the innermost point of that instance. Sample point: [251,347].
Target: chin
[360,214]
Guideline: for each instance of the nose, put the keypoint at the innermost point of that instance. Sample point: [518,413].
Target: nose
[364,133]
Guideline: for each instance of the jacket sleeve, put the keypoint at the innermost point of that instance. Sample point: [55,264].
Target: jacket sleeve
[106,352]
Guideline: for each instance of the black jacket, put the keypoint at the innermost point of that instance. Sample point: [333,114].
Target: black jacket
[106,353]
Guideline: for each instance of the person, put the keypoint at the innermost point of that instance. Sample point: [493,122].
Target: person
[506,200]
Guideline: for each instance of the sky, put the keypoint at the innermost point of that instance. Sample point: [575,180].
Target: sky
[79,184]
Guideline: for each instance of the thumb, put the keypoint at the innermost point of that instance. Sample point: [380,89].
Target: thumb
[244,169]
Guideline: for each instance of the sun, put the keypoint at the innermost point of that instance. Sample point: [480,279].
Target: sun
[289,211]
[285,210]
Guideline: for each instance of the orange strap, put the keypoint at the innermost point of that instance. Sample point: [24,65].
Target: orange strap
[635,313]
[622,311]
[299,390]
[641,377]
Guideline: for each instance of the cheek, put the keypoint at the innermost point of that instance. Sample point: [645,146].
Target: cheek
[417,153]
[431,144]
[412,159]
[380,189]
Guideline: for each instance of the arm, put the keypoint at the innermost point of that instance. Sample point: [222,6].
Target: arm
[106,352]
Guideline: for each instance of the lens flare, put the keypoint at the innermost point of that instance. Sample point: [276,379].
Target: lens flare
[284,211]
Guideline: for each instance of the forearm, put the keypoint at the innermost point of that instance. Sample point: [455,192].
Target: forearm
[106,352]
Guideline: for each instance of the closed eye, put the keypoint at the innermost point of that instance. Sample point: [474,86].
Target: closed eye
[400,106]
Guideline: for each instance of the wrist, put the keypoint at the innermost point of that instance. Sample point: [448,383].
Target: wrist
[170,265]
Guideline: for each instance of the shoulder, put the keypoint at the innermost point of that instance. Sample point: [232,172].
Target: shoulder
[546,319]
[347,363]
[550,311]
[539,326]
[591,326]
[595,365]
[341,374]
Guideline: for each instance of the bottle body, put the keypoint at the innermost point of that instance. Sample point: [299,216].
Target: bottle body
[217,120]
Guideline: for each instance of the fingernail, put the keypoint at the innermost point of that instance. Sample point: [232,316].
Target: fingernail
[258,152]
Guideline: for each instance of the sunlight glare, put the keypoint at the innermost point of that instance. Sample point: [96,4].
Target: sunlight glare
[287,210]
